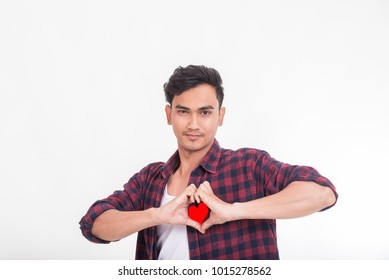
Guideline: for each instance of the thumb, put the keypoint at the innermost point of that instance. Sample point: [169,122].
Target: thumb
[206,225]
[194,225]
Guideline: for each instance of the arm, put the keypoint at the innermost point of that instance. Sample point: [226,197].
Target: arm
[289,191]
[296,200]
[114,224]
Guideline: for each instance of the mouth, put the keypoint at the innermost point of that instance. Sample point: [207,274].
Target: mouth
[193,136]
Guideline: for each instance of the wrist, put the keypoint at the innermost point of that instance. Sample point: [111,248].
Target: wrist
[235,211]
[154,215]
[232,215]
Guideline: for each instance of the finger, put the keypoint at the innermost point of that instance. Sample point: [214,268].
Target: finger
[205,191]
[186,195]
[206,225]
[202,186]
[191,199]
[190,190]
[206,186]
[194,225]
[197,196]
[202,196]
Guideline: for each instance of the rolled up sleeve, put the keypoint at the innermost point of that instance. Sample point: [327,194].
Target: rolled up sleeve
[274,175]
[128,199]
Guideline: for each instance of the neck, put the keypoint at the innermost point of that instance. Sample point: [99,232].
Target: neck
[189,160]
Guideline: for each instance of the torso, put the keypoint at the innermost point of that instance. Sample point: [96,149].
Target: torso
[172,239]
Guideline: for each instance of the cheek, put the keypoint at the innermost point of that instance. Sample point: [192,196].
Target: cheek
[211,124]
[214,120]
[178,124]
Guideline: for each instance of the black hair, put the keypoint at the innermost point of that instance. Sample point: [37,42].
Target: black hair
[185,78]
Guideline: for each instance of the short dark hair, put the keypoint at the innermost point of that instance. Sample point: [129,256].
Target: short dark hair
[185,78]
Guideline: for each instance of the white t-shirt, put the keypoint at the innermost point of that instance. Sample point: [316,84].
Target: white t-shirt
[172,239]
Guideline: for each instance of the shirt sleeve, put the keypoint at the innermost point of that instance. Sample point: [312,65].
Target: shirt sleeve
[128,199]
[273,176]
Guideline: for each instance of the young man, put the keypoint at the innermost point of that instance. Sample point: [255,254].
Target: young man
[246,190]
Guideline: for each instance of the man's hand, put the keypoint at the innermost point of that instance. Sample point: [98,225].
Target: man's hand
[176,211]
[221,211]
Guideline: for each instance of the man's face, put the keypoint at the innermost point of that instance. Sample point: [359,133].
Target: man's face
[195,117]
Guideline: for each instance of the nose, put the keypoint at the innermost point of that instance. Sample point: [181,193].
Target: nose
[193,122]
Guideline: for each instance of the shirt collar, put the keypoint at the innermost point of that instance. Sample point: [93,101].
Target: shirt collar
[209,162]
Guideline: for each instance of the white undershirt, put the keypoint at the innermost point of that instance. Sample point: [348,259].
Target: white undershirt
[172,239]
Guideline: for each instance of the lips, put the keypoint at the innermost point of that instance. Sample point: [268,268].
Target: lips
[193,136]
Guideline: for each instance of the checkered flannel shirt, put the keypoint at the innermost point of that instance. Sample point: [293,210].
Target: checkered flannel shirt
[235,176]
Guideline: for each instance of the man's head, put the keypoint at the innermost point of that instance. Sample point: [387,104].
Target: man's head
[185,78]
[195,111]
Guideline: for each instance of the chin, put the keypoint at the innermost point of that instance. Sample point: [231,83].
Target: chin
[194,146]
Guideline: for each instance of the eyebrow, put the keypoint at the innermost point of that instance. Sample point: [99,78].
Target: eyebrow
[208,107]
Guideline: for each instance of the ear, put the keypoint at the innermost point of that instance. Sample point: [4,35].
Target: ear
[222,112]
[168,111]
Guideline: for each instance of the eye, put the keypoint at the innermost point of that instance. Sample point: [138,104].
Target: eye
[206,113]
[182,112]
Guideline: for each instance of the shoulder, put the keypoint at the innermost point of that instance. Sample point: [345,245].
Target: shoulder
[148,172]
[245,157]
[250,154]
[152,168]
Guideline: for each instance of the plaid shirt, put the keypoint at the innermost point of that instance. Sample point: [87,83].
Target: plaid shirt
[235,176]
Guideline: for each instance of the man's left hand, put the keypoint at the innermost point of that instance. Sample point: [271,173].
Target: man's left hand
[221,211]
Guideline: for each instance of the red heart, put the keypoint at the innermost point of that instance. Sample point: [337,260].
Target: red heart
[198,212]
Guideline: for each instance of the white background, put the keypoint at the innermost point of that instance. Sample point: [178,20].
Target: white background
[82,110]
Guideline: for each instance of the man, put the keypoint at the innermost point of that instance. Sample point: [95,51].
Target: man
[246,190]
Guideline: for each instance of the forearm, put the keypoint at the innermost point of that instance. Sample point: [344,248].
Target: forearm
[297,200]
[113,225]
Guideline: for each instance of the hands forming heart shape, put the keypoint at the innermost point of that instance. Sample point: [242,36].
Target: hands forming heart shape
[198,207]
